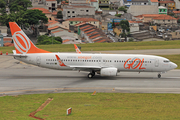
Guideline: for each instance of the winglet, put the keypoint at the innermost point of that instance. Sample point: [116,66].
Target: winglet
[59,60]
[22,43]
[77,49]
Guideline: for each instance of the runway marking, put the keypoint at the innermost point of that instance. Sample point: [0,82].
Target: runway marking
[55,89]
[173,77]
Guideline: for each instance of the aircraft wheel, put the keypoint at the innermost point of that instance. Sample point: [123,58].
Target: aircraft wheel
[90,75]
[159,75]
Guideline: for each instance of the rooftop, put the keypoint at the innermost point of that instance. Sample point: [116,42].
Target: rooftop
[176,11]
[166,1]
[51,22]
[154,0]
[50,0]
[82,19]
[45,11]
[55,27]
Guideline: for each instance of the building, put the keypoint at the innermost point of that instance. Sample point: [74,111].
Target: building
[63,4]
[154,2]
[94,3]
[78,11]
[51,4]
[176,13]
[162,10]
[157,19]
[170,5]
[136,10]
[134,25]
[73,21]
[91,34]
[128,3]
[176,34]
[177,4]
[104,3]
[1,40]
[164,20]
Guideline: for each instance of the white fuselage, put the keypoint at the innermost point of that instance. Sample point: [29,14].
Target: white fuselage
[123,62]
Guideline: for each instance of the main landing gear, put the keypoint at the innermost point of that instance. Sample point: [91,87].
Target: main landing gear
[91,75]
[159,75]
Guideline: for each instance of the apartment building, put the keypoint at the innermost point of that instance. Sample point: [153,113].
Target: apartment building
[104,3]
[128,3]
[78,11]
[51,5]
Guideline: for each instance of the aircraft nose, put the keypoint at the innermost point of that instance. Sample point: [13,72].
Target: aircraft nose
[174,65]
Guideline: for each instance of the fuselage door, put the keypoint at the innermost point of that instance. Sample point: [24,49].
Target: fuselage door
[38,60]
[156,63]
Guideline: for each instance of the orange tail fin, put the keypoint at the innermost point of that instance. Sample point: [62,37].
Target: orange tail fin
[77,49]
[22,43]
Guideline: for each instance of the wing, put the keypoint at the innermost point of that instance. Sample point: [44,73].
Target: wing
[75,67]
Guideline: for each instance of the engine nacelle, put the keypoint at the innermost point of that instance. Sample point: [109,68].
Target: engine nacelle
[108,72]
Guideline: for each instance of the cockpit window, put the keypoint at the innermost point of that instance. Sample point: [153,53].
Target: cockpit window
[166,61]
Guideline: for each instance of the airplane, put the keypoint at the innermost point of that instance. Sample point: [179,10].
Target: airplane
[103,64]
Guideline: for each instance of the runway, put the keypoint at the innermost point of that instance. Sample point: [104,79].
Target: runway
[19,78]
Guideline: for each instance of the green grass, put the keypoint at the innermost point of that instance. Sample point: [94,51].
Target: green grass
[106,46]
[102,106]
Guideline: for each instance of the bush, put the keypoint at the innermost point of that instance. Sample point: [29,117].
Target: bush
[46,40]
[118,15]
[131,39]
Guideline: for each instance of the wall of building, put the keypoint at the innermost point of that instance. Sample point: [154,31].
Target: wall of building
[134,27]
[50,7]
[95,4]
[77,12]
[136,10]
[1,40]
[165,21]
[175,35]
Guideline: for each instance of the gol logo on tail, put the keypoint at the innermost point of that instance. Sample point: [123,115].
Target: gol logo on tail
[134,64]
[21,42]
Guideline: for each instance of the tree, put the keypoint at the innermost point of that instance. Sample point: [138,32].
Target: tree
[17,5]
[58,39]
[14,17]
[125,27]
[118,15]
[178,20]
[2,6]
[58,1]
[34,16]
[59,14]
[122,9]
[46,40]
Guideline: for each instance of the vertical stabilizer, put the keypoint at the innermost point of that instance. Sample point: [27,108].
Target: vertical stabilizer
[22,43]
[77,49]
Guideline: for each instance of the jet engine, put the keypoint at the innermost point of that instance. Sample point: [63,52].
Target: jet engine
[108,72]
